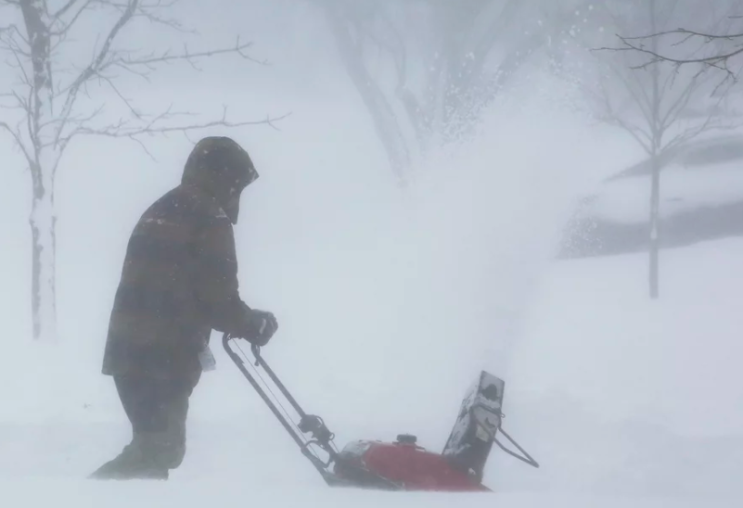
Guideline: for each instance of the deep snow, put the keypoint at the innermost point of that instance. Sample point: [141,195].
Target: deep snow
[584,395]
[626,201]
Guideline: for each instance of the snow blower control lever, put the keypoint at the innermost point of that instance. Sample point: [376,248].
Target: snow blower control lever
[402,465]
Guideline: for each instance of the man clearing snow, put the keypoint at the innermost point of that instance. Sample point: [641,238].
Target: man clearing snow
[179,282]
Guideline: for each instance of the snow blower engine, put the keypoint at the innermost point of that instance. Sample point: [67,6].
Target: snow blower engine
[402,465]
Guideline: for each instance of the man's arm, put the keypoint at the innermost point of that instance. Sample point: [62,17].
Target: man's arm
[217,285]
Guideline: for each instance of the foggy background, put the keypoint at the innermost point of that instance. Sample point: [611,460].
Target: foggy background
[508,250]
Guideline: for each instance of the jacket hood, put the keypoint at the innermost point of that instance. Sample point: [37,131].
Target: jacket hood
[222,168]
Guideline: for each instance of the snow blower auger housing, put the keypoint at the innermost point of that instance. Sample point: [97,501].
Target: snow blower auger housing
[402,465]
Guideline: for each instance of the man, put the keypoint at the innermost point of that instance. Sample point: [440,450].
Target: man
[179,282]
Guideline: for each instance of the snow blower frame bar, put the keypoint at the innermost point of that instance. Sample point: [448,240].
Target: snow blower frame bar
[311,424]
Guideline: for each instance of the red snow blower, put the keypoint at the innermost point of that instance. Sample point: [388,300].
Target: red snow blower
[402,465]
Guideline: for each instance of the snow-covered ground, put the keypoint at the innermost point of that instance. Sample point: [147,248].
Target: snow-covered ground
[231,493]
[610,392]
[626,200]
[640,396]
[687,184]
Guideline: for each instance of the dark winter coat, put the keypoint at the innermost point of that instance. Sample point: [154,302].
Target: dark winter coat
[179,279]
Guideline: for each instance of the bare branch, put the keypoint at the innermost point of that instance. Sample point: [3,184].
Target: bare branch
[682,101]
[149,61]
[61,12]
[719,61]
[9,36]
[67,25]
[124,129]
[687,33]
[98,60]
[143,9]
[25,78]
[126,101]
[497,26]
[147,11]
[711,123]
[643,137]
[675,90]
[638,93]
[16,135]
[107,58]
[19,102]
[713,60]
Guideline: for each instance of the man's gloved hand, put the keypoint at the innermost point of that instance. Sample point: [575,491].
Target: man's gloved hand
[258,327]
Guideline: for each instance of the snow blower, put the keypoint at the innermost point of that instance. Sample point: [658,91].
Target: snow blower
[401,465]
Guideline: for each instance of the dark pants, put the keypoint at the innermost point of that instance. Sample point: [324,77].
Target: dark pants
[157,410]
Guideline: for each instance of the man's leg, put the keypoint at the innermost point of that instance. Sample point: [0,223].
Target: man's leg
[157,410]
[164,441]
[138,397]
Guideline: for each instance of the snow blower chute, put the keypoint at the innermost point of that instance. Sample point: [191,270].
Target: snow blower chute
[402,465]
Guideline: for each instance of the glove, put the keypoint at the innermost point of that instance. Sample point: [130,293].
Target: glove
[258,327]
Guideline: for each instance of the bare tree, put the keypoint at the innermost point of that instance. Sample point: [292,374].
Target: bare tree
[719,60]
[661,107]
[725,56]
[47,99]
[427,69]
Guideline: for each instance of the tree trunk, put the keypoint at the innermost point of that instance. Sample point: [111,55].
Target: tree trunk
[384,118]
[654,229]
[657,141]
[43,263]
[47,152]
[44,241]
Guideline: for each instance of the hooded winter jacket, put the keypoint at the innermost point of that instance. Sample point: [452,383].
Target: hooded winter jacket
[179,279]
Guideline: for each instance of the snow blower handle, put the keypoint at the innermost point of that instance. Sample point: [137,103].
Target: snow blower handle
[256,349]
[310,424]
[260,362]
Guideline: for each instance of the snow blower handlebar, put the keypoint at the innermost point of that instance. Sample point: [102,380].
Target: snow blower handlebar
[309,424]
